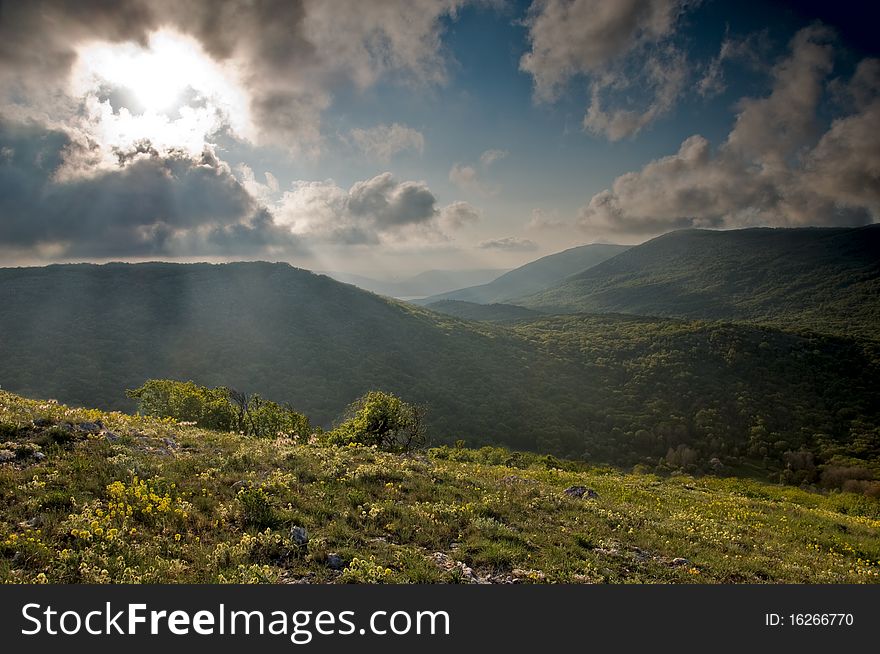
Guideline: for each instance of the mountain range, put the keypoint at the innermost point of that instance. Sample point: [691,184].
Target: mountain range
[429,282]
[826,279]
[721,379]
[532,277]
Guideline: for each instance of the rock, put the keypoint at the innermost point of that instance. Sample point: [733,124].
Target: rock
[466,573]
[39,456]
[170,443]
[335,562]
[679,561]
[89,427]
[111,436]
[29,524]
[533,575]
[299,536]
[6,455]
[579,492]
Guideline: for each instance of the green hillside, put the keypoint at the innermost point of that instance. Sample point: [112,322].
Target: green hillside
[90,497]
[485,312]
[825,279]
[533,277]
[84,333]
[428,282]
[611,389]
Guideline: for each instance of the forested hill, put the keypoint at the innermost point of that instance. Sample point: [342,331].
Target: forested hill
[533,277]
[825,279]
[613,389]
[485,312]
[85,333]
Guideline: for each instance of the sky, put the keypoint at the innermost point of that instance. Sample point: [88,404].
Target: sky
[386,138]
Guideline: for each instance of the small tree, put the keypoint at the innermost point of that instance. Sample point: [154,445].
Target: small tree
[219,408]
[383,420]
[187,402]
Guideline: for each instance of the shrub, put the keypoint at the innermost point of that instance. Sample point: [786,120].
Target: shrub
[219,408]
[256,509]
[383,420]
[365,571]
[187,402]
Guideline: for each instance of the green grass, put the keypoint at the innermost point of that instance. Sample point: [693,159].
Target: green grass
[158,501]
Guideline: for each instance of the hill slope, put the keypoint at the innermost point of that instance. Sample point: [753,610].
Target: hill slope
[485,312]
[115,498]
[613,389]
[826,279]
[533,277]
[85,333]
[429,282]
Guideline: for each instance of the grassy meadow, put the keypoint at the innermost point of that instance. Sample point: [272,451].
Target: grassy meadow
[93,497]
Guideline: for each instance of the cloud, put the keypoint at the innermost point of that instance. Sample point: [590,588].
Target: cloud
[491,156]
[290,55]
[373,211]
[618,45]
[458,214]
[663,76]
[149,205]
[775,167]
[384,141]
[468,178]
[464,177]
[261,191]
[509,244]
[542,220]
[751,49]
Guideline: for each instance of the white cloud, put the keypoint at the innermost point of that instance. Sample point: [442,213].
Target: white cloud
[465,177]
[468,178]
[664,77]
[619,46]
[774,167]
[491,156]
[544,220]
[378,210]
[382,142]
[261,191]
[458,215]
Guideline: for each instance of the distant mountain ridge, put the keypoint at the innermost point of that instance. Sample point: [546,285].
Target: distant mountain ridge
[532,277]
[486,312]
[822,278]
[429,282]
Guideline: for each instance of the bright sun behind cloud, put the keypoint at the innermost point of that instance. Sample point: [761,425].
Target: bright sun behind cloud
[169,92]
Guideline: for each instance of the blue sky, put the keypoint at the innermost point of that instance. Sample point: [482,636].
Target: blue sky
[399,137]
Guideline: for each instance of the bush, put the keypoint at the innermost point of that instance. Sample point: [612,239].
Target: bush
[383,420]
[219,408]
[187,402]
[256,509]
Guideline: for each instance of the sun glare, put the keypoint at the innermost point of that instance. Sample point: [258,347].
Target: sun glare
[169,90]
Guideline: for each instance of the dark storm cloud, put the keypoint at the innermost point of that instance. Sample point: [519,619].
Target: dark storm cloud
[150,205]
